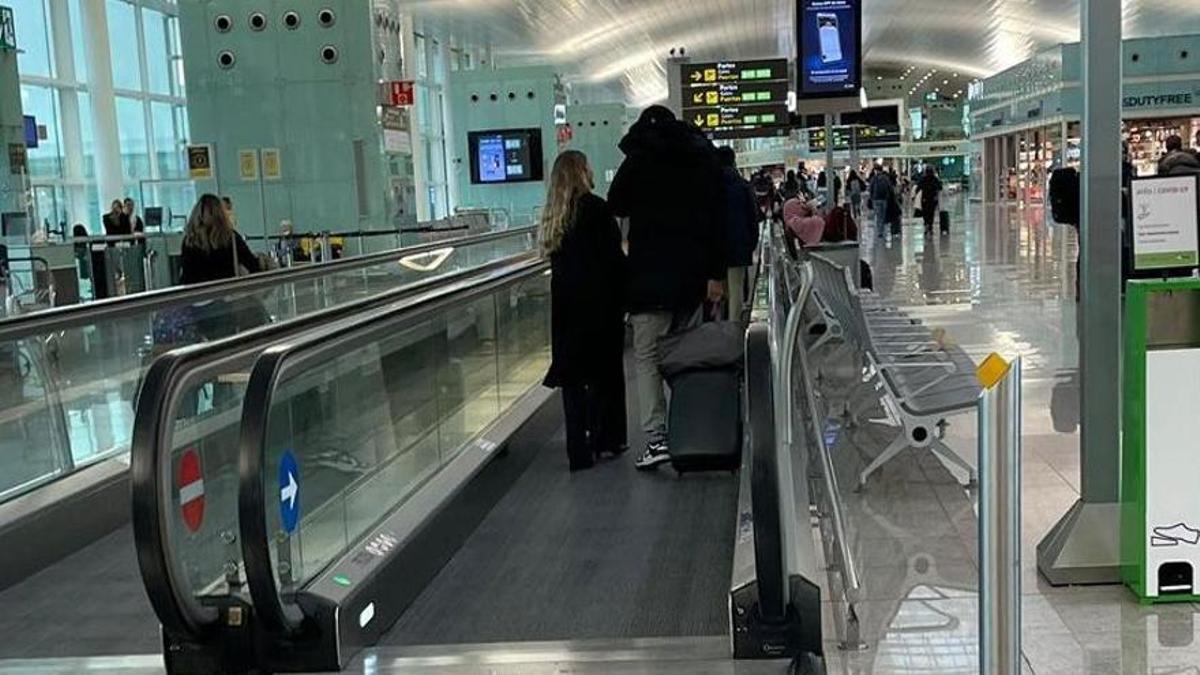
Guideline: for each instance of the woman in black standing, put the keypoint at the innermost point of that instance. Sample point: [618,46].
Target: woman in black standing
[213,250]
[930,187]
[583,242]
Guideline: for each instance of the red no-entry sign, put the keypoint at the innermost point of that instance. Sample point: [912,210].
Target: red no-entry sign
[191,490]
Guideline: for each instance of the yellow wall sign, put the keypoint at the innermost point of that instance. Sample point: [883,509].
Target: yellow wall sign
[200,161]
[272,164]
[248,165]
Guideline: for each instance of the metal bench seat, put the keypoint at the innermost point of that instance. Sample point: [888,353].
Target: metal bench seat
[918,379]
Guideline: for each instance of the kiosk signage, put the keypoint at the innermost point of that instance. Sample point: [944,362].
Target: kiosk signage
[1166,223]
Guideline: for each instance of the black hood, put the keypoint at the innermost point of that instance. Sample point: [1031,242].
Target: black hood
[668,140]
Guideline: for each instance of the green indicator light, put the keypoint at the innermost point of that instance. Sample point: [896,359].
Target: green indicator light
[751,119]
[341,580]
[748,74]
[764,74]
[764,96]
[748,97]
[768,119]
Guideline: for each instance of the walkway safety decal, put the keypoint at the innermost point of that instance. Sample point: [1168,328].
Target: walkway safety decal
[289,492]
[191,490]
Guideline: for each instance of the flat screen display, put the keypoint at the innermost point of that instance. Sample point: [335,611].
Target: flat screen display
[31,131]
[829,44]
[505,156]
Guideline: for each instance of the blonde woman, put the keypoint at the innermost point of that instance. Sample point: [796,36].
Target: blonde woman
[583,242]
[212,248]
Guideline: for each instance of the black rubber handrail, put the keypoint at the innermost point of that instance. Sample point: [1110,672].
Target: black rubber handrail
[769,563]
[150,456]
[62,318]
[269,606]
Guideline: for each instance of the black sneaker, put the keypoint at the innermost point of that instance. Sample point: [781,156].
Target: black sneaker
[655,454]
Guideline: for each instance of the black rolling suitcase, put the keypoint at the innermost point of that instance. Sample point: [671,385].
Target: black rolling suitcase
[705,420]
[944,222]
[703,367]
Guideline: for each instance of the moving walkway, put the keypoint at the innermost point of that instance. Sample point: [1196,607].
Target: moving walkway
[397,477]
[68,378]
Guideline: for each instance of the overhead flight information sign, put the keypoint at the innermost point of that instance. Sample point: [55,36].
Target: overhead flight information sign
[737,99]
[860,137]
[829,44]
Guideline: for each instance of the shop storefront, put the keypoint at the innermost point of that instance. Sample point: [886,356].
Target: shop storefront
[1026,120]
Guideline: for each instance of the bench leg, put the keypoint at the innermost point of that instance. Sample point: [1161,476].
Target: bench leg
[942,450]
[898,445]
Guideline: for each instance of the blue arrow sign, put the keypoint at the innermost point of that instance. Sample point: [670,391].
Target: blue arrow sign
[289,492]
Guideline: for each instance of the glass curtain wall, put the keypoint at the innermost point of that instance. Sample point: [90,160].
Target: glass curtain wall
[151,120]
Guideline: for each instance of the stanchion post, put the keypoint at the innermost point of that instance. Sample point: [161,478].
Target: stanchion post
[1000,524]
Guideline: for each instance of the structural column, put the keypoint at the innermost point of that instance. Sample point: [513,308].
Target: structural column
[420,163]
[1084,546]
[69,121]
[106,142]
[448,130]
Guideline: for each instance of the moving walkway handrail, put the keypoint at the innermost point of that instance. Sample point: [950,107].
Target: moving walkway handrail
[150,458]
[62,318]
[252,514]
[769,555]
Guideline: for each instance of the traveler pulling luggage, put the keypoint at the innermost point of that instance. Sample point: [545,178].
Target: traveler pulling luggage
[703,367]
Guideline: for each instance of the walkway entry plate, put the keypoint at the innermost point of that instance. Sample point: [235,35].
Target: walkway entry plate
[1160,528]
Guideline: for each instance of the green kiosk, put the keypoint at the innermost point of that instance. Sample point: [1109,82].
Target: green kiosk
[1160,486]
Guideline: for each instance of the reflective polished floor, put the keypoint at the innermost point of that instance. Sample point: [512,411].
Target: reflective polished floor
[1004,281]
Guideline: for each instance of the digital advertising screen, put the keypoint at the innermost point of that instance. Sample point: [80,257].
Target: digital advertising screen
[829,48]
[505,156]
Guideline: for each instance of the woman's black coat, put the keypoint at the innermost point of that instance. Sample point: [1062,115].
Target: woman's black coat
[587,303]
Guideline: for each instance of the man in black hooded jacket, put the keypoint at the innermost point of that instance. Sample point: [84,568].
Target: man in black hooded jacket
[669,187]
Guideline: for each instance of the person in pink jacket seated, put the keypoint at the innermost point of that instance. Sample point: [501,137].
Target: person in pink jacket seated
[804,222]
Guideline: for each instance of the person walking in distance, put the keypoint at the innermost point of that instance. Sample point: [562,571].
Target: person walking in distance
[930,187]
[882,193]
[583,241]
[741,229]
[669,187]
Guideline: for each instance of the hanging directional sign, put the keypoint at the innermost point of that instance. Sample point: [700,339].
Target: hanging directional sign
[289,492]
[736,93]
[738,121]
[191,490]
[737,99]
[735,71]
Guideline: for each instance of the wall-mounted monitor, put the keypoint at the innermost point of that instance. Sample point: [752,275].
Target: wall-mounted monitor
[829,45]
[505,156]
[31,131]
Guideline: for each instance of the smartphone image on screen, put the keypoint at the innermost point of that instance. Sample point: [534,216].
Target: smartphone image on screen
[831,39]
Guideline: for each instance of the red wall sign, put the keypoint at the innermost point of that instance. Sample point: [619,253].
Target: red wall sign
[401,93]
[191,490]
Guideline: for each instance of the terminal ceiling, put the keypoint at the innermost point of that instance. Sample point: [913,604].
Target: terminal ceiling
[616,49]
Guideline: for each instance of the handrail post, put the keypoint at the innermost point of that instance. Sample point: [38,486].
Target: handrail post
[1000,525]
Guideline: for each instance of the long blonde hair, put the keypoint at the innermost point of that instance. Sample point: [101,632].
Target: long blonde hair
[209,227]
[569,180]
